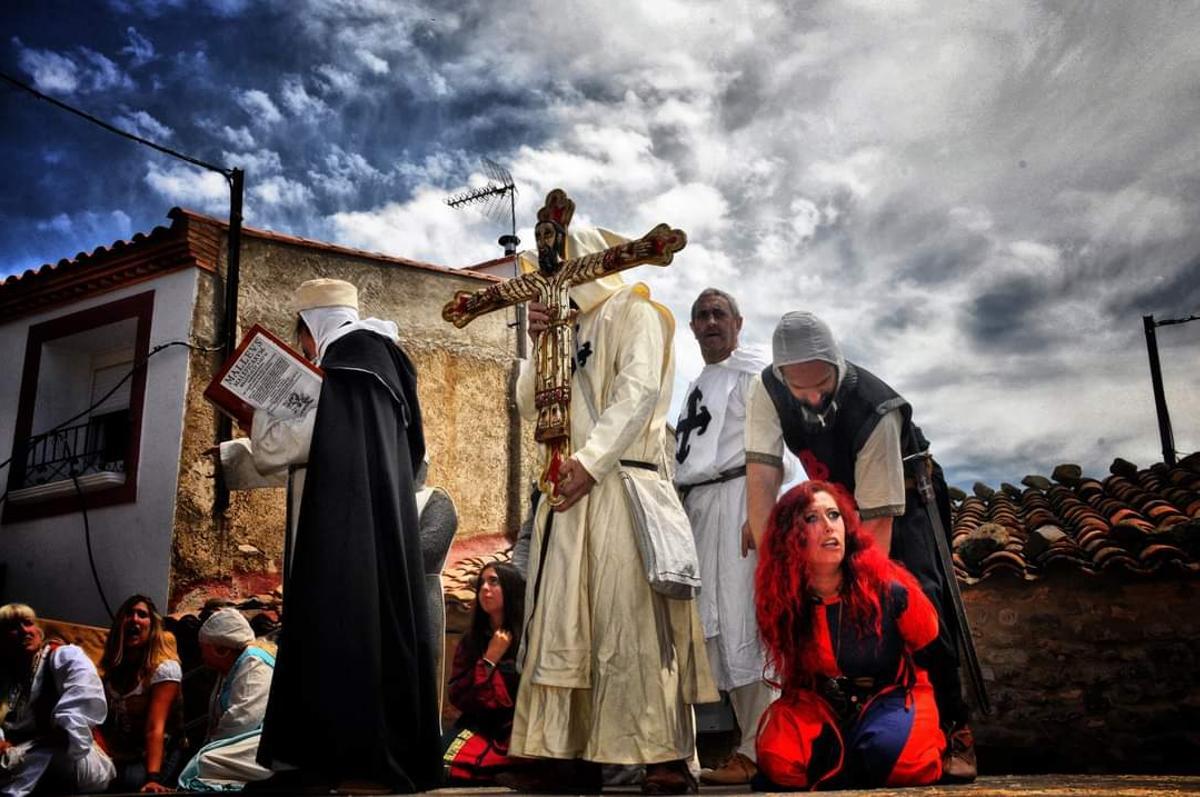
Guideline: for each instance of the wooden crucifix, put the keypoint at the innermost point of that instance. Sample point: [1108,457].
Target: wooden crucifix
[551,285]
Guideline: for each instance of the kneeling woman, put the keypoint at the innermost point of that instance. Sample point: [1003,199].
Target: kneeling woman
[484,678]
[840,623]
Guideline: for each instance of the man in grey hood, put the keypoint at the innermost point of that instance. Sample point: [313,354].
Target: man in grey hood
[848,426]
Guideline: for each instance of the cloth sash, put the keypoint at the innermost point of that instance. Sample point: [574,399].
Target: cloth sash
[251,652]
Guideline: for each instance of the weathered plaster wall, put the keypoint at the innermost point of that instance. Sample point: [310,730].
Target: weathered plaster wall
[1088,674]
[464,385]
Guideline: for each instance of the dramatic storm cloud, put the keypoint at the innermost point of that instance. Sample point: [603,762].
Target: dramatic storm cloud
[982,199]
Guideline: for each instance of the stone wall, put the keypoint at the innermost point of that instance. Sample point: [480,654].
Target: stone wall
[464,379]
[1088,673]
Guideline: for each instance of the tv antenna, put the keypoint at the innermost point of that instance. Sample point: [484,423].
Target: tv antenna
[490,199]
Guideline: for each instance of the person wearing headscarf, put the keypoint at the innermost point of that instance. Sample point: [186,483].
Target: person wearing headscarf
[842,624]
[51,699]
[608,665]
[354,698]
[236,707]
[276,453]
[848,426]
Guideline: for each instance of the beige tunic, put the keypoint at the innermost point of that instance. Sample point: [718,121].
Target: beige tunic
[609,667]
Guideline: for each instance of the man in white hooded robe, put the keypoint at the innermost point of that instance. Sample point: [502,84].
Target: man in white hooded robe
[609,667]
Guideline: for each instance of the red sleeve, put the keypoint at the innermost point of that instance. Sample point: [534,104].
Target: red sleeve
[918,622]
[474,686]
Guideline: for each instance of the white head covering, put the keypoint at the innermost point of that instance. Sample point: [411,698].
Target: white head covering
[329,308]
[801,337]
[227,628]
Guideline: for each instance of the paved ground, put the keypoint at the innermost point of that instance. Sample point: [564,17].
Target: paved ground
[1015,785]
[1007,786]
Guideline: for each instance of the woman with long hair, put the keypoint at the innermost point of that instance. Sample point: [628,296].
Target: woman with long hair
[840,623]
[142,675]
[484,678]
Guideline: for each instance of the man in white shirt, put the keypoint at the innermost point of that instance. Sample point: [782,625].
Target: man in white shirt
[50,700]
[710,472]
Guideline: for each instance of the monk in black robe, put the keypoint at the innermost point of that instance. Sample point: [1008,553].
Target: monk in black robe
[354,698]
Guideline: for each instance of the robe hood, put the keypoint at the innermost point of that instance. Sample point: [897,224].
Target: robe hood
[802,337]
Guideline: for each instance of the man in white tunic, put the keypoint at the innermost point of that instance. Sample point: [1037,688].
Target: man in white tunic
[609,667]
[51,699]
[710,472]
[236,707]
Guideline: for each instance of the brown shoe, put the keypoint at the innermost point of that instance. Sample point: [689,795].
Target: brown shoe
[670,777]
[736,771]
[959,765]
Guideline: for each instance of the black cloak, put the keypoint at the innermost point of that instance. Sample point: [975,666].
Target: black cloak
[355,690]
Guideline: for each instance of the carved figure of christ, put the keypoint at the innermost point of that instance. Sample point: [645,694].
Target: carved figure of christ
[556,346]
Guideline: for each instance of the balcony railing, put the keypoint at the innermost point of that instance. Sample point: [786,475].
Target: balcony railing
[97,446]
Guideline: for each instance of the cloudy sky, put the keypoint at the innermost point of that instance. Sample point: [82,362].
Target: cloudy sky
[982,199]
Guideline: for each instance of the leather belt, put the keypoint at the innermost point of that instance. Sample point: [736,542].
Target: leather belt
[725,476]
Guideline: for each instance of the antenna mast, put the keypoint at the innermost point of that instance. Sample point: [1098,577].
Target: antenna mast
[491,198]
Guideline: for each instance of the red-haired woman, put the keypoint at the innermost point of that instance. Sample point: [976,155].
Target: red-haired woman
[840,623]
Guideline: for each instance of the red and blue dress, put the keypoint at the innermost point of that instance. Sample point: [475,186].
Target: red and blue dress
[870,717]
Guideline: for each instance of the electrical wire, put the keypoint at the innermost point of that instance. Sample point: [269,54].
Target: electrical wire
[105,397]
[87,538]
[113,129]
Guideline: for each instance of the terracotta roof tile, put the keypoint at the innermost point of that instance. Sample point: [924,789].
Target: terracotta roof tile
[312,243]
[1135,521]
[193,239]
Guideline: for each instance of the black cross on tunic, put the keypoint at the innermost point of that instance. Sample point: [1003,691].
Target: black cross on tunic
[697,419]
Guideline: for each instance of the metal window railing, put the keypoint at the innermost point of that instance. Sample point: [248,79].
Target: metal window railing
[99,445]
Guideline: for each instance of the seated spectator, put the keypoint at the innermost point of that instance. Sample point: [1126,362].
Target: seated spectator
[50,700]
[236,709]
[840,623]
[142,673]
[483,681]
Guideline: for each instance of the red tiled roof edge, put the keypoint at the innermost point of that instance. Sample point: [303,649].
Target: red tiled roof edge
[310,243]
[495,261]
[107,268]
[192,240]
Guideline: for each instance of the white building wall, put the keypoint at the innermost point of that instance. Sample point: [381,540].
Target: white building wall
[46,559]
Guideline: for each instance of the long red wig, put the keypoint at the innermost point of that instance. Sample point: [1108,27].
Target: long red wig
[783,600]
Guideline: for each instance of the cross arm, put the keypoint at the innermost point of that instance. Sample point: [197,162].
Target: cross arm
[656,248]
[466,306]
